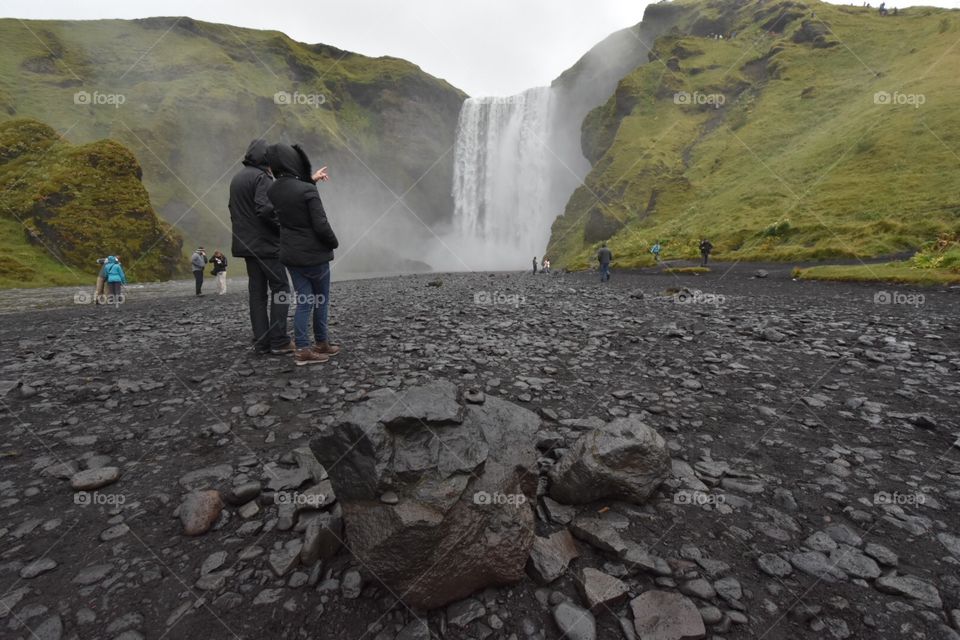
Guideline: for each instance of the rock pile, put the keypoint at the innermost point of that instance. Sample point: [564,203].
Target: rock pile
[436,492]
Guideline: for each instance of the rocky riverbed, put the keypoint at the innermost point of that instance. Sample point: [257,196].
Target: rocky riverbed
[158,479]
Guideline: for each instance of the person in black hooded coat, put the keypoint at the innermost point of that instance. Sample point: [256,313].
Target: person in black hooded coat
[307,242]
[256,239]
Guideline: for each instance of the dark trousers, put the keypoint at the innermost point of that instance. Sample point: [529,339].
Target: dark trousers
[268,286]
[705,256]
[198,276]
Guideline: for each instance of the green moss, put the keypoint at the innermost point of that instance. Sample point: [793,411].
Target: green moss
[64,206]
[687,270]
[798,162]
[195,93]
[894,272]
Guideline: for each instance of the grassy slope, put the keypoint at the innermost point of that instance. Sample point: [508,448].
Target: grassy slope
[897,272]
[195,93]
[62,206]
[798,140]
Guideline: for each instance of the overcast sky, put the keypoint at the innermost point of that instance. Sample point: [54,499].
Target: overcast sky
[485,47]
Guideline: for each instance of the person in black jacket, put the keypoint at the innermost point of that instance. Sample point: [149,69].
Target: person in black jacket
[219,262]
[256,239]
[306,246]
[705,248]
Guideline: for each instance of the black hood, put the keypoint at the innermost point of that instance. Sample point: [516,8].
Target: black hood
[256,155]
[289,160]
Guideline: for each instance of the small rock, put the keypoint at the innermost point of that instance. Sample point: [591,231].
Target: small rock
[37,567]
[91,479]
[199,511]
[462,613]
[663,614]
[351,584]
[574,622]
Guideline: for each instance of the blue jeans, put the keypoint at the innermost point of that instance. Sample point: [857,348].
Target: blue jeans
[604,272]
[312,287]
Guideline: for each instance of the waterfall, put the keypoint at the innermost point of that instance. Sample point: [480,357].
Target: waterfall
[502,180]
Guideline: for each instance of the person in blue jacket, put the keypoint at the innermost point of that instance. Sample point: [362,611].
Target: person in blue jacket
[115,278]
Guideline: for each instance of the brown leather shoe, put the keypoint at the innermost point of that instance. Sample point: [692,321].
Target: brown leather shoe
[290,347]
[309,355]
[326,348]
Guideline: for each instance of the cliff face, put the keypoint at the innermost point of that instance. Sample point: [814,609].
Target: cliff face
[187,96]
[587,85]
[63,206]
[808,130]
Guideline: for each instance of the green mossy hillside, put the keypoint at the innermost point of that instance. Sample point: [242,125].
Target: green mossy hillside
[62,206]
[187,97]
[809,131]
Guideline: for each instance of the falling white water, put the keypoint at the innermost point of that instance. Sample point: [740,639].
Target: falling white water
[502,181]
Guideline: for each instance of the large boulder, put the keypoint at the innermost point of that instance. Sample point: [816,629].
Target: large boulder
[624,460]
[436,494]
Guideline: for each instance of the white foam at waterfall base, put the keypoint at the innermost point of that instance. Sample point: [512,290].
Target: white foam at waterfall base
[502,184]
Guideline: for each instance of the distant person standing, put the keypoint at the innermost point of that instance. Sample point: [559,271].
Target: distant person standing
[115,279]
[307,242]
[219,262]
[705,248]
[101,281]
[655,250]
[534,265]
[604,257]
[198,261]
[256,239]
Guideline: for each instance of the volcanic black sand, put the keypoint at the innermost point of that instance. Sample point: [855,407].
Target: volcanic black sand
[813,428]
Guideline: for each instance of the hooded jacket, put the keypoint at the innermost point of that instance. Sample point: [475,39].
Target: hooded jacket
[256,232]
[306,238]
[113,272]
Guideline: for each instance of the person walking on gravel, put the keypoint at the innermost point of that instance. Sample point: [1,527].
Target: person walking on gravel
[307,242]
[705,248]
[655,250]
[101,281]
[198,261]
[534,265]
[256,239]
[604,257]
[115,279]
[219,262]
